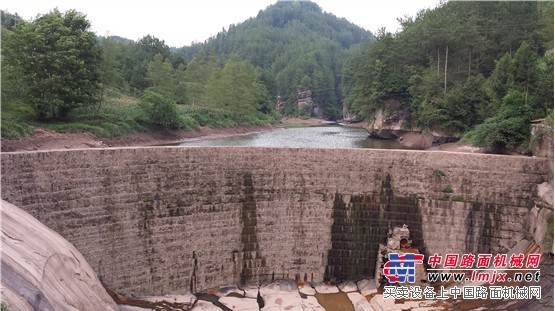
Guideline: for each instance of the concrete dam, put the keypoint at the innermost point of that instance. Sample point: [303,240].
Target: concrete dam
[166,220]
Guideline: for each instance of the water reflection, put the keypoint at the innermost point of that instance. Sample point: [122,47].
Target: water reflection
[331,136]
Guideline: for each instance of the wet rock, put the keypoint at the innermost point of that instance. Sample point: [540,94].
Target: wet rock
[281,295]
[236,304]
[186,298]
[348,287]
[202,305]
[312,303]
[323,288]
[224,291]
[367,287]
[359,301]
[250,291]
[307,290]
[132,308]
[286,286]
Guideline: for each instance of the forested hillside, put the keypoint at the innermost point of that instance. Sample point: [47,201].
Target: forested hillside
[481,68]
[58,74]
[297,46]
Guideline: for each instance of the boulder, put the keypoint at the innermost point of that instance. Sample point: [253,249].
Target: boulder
[307,290]
[226,290]
[202,305]
[323,288]
[237,304]
[43,271]
[250,291]
[348,287]
[367,287]
[359,301]
[281,295]
[543,234]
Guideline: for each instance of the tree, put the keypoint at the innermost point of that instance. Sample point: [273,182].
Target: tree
[160,110]
[160,76]
[59,59]
[509,128]
[110,66]
[137,56]
[237,90]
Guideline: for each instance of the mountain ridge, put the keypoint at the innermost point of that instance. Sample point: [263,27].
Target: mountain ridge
[297,47]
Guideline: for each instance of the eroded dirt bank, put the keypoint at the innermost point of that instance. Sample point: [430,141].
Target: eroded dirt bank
[44,139]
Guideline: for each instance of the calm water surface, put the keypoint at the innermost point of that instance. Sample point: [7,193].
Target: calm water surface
[329,136]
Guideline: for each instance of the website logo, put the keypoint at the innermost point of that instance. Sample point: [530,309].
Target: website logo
[401,268]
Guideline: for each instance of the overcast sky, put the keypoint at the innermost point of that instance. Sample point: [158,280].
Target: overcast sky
[181,22]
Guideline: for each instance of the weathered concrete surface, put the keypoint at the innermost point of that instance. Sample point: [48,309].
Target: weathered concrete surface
[171,219]
[43,271]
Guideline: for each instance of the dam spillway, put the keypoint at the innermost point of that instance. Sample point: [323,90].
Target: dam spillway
[170,219]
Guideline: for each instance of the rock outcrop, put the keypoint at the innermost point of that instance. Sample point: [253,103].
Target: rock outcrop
[43,271]
[392,122]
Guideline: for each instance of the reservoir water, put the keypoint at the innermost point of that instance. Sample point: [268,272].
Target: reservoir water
[328,136]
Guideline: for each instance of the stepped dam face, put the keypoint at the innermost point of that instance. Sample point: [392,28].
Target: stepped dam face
[166,220]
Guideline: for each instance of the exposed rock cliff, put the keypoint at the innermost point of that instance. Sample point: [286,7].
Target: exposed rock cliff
[393,122]
[43,271]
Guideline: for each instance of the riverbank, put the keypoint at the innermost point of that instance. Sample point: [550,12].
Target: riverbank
[44,139]
[419,141]
[304,122]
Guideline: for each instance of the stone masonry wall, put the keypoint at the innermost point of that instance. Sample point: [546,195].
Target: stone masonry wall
[172,219]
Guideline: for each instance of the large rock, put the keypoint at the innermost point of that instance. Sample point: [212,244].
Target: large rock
[391,124]
[43,271]
[202,305]
[348,286]
[307,290]
[281,295]
[543,234]
[323,288]
[238,304]
[359,301]
[226,290]
[367,287]
[416,140]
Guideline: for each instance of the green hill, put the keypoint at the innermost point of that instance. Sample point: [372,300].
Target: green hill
[298,47]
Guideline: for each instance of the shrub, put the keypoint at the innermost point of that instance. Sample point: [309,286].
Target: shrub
[159,110]
[447,189]
[14,129]
[438,173]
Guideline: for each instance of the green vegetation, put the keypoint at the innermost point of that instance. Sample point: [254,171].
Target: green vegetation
[55,58]
[458,198]
[438,173]
[4,306]
[159,110]
[296,47]
[481,68]
[447,189]
[58,75]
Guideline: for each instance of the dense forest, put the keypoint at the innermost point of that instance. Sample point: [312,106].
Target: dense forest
[60,75]
[480,68]
[477,70]
[298,47]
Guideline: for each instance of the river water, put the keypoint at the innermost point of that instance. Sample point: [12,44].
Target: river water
[328,136]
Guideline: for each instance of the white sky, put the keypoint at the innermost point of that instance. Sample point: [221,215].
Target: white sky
[179,23]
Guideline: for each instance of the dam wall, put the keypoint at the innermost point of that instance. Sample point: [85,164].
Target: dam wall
[171,219]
